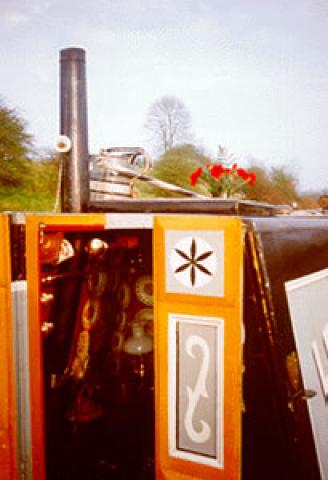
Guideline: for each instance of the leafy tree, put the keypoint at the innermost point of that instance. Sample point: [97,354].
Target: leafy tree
[262,189]
[169,123]
[15,144]
[284,184]
[44,173]
[323,202]
[276,186]
[38,187]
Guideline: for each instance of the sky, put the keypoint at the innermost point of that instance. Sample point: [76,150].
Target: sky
[252,73]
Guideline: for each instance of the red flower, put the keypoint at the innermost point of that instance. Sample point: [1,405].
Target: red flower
[195,176]
[242,173]
[216,170]
[251,178]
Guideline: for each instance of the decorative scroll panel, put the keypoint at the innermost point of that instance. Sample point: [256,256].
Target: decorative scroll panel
[196,388]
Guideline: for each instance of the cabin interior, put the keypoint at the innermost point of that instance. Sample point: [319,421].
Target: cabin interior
[98,353]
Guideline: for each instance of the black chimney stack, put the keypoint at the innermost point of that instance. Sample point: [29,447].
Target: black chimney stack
[74,124]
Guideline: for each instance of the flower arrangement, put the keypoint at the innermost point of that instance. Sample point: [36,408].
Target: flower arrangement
[223,181]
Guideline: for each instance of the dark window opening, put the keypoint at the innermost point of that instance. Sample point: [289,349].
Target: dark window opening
[97,314]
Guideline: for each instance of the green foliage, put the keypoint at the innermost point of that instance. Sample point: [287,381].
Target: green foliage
[276,186]
[31,185]
[37,190]
[24,184]
[323,202]
[222,180]
[284,184]
[175,167]
[20,199]
[262,190]
[15,144]
[43,175]
[308,201]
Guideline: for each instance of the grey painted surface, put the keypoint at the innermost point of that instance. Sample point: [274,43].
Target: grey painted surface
[22,377]
[308,305]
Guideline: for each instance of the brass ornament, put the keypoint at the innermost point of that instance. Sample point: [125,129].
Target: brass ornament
[83,343]
[122,320]
[90,313]
[293,371]
[54,248]
[117,342]
[97,283]
[145,316]
[46,298]
[97,249]
[144,290]
[50,247]
[79,367]
[124,295]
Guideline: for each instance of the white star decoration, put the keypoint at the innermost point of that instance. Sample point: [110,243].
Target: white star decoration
[193,262]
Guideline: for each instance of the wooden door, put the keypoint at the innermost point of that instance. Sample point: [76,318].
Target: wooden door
[198,366]
[36,226]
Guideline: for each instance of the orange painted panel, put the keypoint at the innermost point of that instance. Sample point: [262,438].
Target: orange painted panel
[33,224]
[198,298]
[7,391]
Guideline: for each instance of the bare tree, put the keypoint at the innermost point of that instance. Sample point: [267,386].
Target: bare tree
[169,123]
